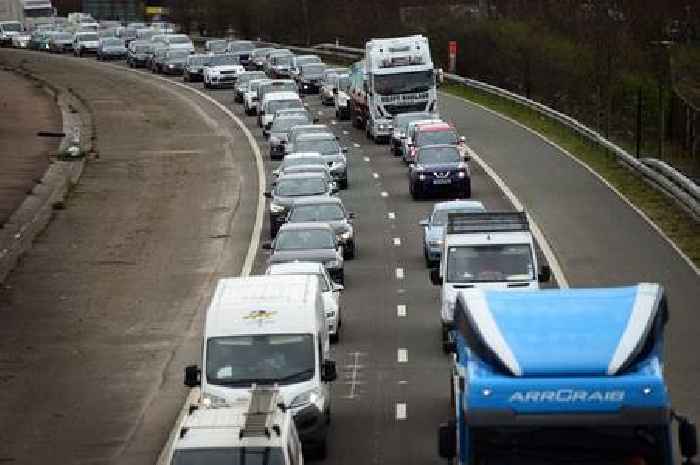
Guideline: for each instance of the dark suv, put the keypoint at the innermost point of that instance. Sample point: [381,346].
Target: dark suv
[439,169]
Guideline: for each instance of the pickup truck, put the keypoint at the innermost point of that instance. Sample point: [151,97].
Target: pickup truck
[562,376]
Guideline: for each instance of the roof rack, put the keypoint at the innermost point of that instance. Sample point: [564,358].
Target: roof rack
[261,409]
[462,223]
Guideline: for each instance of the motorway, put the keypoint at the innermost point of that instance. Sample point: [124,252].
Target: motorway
[102,315]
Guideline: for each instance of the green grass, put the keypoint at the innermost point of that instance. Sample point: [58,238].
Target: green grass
[680,226]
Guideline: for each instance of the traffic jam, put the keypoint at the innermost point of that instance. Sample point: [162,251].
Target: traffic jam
[539,373]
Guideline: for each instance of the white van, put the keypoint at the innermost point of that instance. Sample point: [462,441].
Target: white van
[270,330]
[274,101]
[254,432]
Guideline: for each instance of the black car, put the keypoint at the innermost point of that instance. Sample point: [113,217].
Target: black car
[439,169]
[139,53]
[310,78]
[174,62]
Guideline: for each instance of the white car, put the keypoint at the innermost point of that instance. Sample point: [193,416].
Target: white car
[85,42]
[329,290]
[222,71]
[274,101]
[179,42]
[21,40]
[250,97]
[341,99]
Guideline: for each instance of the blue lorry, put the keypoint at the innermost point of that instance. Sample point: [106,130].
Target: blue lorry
[562,376]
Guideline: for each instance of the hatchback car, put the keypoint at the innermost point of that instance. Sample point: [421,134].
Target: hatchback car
[435,133]
[85,42]
[111,48]
[327,145]
[194,67]
[294,159]
[310,78]
[309,242]
[278,132]
[242,82]
[174,61]
[434,226]
[439,168]
[290,188]
[138,53]
[61,42]
[400,128]
[327,210]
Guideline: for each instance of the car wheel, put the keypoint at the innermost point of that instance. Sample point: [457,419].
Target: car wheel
[428,261]
[334,338]
[349,252]
[468,190]
[321,450]
[342,278]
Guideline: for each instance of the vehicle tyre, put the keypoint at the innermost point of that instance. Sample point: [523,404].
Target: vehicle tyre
[321,450]
[341,277]
[468,190]
[349,252]
[444,339]
[334,338]
[185,78]
[428,261]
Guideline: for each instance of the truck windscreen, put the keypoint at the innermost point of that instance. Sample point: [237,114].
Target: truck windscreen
[490,263]
[38,13]
[229,456]
[403,83]
[11,27]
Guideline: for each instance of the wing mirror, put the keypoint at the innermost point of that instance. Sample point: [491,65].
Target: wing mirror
[268,194]
[338,287]
[687,438]
[335,91]
[411,166]
[462,140]
[267,245]
[351,215]
[545,274]
[423,223]
[328,371]
[193,376]
[316,120]
[435,277]
[345,150]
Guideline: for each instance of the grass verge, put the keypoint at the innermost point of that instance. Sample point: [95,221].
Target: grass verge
[678,225]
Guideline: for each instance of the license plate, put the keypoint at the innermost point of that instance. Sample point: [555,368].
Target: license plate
[442,181]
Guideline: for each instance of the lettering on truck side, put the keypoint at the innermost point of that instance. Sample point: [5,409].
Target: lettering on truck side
[566,396]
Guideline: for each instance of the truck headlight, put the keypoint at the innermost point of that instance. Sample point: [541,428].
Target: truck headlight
[312,396]
[461,174]
[276,208]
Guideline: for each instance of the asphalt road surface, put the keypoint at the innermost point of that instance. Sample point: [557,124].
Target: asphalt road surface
[393,378]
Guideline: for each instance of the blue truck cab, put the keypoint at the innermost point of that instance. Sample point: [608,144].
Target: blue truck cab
[562,376]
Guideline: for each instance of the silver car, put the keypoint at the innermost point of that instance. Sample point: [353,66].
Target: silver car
[327,210]
[277,134]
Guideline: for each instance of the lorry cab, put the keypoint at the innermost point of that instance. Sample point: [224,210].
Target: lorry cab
[563,376]
[8,30]
[489,250]
[257,431]
[267,331]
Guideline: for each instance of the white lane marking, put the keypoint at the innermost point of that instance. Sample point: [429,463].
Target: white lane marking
[171,152]
[375,175]
[644,216]
[400,411]
[353,377]
[400,273]
[397,241]
[345,133]
[402,382]
[401,311]
[402,355]
[165,454]
[320,112]
[385,194]
[391,215]
[356,145]
[334,122]
[366,159]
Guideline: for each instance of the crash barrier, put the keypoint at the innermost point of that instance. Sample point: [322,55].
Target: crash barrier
[660,175]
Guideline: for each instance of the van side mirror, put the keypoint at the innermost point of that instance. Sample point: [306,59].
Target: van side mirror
[338,287]
[345,150]
[351,215]
[462,140]
[335,91]
[545,274]
[267,245]
[447,440]
[435,277]
[193,376]
[268,194]
[687,438]
[328,371]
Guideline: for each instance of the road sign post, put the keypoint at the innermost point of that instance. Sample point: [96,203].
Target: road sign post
[452,64]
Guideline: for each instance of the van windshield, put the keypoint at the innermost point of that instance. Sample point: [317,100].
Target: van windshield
[229,456]
[262,359]
[492,263]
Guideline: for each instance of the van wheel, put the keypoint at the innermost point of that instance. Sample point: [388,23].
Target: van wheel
[321,450]
[334,338]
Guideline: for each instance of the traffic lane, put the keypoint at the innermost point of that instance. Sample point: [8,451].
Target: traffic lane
[598,238]
[103,313]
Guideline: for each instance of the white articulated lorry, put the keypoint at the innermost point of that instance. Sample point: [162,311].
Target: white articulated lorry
[399,78]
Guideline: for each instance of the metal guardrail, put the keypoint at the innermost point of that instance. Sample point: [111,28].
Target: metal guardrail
[661,175]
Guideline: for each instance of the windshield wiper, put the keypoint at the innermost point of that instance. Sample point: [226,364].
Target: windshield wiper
[308,371]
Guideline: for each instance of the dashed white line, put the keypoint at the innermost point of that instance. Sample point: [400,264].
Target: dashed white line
[375,175]
[333,122]
[366,159]
[385,194]
[402,355]
[399,273]
[403,382]
[400,411]
[397,241]
[391,215]
[356,145]
[401,311]
[320,112]
[345,133]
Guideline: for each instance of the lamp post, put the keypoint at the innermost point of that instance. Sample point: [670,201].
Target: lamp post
[664,63]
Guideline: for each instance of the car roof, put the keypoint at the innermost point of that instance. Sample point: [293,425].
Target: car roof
[321,167]
[308,127]
[438,146]
[285,95]
[459,205]
[309,225]
[318,199]
[434,127]
[295,267]
[316,136]
[300,176]
[303,155]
